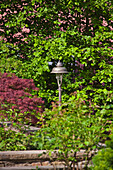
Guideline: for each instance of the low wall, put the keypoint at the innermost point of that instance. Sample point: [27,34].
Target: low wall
[34,158]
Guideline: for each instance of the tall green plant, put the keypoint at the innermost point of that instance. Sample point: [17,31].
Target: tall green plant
[72,128]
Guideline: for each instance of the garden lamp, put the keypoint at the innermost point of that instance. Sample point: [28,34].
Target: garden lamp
[59,70]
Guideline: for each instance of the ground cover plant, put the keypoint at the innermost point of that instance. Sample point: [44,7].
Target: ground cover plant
[12,138]
[15,135]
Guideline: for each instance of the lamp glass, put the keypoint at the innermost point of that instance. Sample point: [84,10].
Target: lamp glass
[59,77]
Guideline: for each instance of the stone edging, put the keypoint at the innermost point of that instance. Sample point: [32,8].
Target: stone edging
[31,158]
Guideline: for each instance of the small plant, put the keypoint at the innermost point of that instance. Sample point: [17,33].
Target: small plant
[104,159]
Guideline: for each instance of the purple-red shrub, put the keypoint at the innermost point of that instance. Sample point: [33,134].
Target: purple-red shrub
[16,94]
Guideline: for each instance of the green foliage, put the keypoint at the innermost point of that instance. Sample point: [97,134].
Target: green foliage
[12,136]
[72,128]
[45,31]
[11,140]
[16,135]
[80,35]
[104,159]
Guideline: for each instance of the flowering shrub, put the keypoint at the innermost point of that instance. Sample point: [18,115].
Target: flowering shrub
[19,95]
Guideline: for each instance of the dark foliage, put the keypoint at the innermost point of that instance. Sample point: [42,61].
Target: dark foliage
[19,95]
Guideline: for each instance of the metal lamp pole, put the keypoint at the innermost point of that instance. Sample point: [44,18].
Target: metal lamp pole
[59,70]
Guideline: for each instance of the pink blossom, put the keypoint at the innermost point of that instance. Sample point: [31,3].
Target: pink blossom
[26,30]
[17,34]
[105,23]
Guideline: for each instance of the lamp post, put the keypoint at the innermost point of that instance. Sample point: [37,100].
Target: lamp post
[59,70]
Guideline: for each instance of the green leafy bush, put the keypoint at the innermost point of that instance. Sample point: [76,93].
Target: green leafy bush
[12,140]
[104,159]
[17,135]
[71,128]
